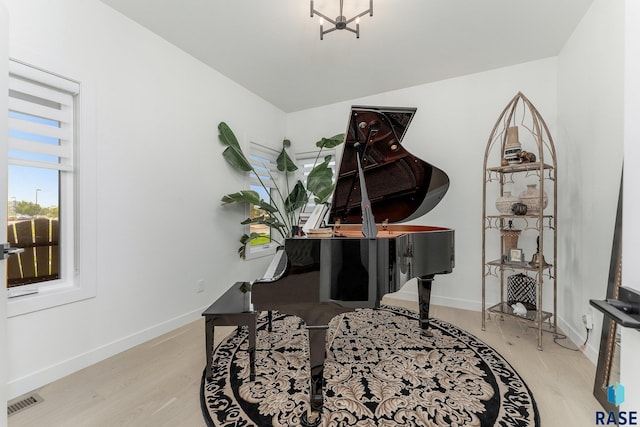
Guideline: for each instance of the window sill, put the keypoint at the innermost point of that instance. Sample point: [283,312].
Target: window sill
[49,296]
[261,251]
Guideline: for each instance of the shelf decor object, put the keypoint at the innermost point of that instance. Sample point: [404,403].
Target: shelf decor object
[520,131]
[513,147]
[509,239]
[531,198]
[505,203]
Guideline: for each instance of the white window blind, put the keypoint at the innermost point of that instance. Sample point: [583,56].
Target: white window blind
[306,161]
[263,160]
[41,118]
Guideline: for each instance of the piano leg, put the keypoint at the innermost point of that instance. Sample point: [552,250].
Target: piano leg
[316,317]
[317,356]
[424,298]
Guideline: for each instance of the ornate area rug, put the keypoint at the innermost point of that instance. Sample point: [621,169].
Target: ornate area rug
[379,371]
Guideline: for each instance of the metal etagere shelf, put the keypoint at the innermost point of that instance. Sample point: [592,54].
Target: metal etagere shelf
[540,225]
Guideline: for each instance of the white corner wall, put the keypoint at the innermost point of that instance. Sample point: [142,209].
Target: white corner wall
[590,114]
[160,178]
[450,130]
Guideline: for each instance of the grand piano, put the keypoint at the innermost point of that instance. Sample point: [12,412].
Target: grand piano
[379,184]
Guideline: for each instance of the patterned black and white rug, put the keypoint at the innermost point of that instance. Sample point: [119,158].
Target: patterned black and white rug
[380,371]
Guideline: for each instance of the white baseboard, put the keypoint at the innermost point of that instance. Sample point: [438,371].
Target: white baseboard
[37,379]
[460,303]
[409,292]
[578,338]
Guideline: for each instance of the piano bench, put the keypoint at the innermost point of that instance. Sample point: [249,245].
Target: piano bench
[231,309]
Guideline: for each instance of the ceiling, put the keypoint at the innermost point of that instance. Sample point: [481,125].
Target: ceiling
[273,47]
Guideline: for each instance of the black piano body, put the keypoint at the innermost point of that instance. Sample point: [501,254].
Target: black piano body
[356,272]
[333,275]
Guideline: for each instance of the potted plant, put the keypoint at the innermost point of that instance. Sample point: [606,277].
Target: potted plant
[282,212]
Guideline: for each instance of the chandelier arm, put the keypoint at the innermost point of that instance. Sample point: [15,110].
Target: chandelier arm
[325,17]
[356,17]
[329,30]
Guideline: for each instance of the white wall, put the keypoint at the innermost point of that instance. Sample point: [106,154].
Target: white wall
[450,130]
[590,114]
[630,373]
[159,159]
[160,177]
[4,75]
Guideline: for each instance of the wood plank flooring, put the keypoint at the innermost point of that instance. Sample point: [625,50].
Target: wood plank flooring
[157,383]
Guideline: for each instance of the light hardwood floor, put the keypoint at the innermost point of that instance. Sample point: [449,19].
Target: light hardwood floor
[157,383]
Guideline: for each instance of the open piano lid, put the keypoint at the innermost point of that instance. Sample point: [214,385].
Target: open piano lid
[401,187]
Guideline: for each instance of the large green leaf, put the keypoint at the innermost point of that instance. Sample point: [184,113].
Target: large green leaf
[284,162]
[265,206]
[227,136]
[323,195]
[265,220]
[244,240]
[297,198]
[247,196]
[319,181]
[236,159]
[251,197]
[332,142]
[233,153]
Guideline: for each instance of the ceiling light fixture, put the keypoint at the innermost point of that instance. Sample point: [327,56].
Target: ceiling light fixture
[341,22]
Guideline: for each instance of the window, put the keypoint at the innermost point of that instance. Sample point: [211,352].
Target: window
[42,188]
[306,162]
[263,160]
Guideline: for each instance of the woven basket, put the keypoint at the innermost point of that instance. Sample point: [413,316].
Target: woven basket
[522,288]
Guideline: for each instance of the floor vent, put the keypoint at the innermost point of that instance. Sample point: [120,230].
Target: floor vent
[22,404]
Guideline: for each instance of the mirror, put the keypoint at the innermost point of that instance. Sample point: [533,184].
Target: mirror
[608,369]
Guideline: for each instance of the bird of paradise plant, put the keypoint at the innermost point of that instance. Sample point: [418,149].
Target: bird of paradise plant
[280,213]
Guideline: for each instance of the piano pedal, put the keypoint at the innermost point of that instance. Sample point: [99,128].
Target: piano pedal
[310,419]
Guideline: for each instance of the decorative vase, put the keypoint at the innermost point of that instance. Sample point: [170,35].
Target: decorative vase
[505,202]
[531,198]
[513,147]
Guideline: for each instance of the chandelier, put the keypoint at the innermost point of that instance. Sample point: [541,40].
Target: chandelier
[341,22]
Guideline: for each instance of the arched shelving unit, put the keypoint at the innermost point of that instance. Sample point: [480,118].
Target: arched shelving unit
[520,123]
